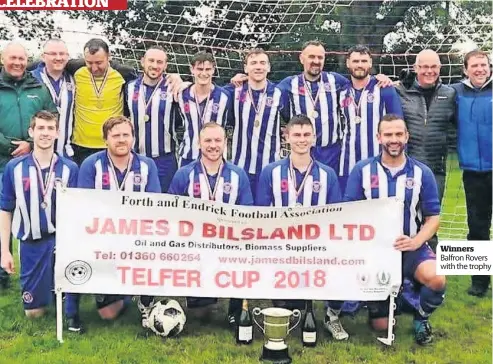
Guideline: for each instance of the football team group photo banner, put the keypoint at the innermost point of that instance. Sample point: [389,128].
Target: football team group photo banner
[111,242]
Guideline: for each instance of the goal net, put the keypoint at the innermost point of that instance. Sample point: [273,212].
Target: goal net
[394,30]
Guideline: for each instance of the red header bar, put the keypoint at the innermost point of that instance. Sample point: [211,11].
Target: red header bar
[63,5]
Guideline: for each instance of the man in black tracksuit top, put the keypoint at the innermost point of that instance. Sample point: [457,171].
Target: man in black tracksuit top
[429,109]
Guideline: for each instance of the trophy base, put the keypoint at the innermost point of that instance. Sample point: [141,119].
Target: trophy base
[276,356]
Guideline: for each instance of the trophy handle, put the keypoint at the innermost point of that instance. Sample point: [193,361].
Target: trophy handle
[296,314]
[256,312]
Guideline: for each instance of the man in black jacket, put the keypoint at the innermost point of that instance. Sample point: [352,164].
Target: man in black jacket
[429,109]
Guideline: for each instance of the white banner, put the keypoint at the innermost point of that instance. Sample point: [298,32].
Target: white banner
[164,245]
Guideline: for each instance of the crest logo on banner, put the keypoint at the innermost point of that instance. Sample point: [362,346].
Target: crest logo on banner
[78,272]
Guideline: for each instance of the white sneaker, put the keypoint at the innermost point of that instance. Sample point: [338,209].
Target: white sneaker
[334,326]
[144,311]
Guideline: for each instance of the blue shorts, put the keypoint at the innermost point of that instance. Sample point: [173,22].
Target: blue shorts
[166,168]
[328,155]
[411,260]
[409,294]
[37,270]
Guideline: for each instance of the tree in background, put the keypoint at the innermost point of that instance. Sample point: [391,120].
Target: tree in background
[392,29]
[28,25]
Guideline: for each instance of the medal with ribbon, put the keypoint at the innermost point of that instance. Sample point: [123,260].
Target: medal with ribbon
[314,113]
[99,90]
[120,186]
[45,182]
[259,107]
[200,114]
[292,173]
[142,94]
[56,97]
[357,105]
[212,193]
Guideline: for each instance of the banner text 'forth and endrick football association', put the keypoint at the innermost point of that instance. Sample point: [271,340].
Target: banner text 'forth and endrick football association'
[164,245]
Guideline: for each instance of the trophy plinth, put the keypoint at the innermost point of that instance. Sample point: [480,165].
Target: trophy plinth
[278,356]
[276,329]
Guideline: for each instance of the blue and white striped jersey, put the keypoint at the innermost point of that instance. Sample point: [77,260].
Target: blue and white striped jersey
[62,92]
[34,209]
[231,186]
[361,111]
[276,186]
[214,109]
[300,97]
[415,185]
[96,172]
[256,136]
[155,125]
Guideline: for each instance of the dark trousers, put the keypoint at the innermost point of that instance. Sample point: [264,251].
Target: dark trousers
[477,186]
[81,153]
[440,180]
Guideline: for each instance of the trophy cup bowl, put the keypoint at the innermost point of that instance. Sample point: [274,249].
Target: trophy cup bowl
[276,329]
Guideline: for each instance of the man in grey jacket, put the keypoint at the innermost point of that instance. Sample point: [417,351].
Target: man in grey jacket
[429,109]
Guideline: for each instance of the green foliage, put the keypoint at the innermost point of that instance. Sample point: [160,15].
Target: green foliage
[41,25]
[227,28]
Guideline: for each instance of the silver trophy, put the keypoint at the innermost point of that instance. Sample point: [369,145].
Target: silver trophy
[276,329]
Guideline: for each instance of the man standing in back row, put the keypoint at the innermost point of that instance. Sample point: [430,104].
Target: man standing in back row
[429,111]
[154,114]
[61,85]
[200,103]
[99,96]
[474,108]
[363,103]
[256,118]
[314,93]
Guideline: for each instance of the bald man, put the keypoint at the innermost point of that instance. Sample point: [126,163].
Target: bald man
[429,110]
[154,114]
[51,72]
[21,96]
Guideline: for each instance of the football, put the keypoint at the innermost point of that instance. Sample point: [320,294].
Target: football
[167,318]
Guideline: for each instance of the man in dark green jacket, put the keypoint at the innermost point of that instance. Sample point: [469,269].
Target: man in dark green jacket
[21,96]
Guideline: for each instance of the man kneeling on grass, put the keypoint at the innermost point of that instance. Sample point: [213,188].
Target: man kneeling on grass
[394,174]
[117,168]
[27,210]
